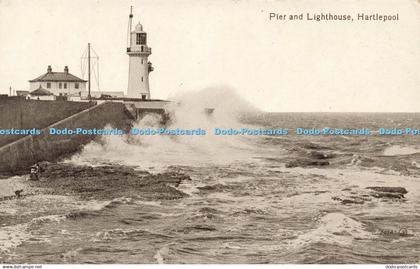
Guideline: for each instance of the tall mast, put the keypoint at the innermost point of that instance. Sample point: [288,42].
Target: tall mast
[130,23]
[89,70]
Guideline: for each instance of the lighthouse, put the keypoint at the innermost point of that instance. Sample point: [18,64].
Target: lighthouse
[139,65]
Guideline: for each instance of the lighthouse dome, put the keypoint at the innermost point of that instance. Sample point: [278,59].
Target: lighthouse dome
[139,27]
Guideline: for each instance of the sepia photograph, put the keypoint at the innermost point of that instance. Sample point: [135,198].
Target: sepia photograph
[224,133]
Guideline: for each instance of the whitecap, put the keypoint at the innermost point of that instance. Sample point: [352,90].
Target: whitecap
[400,150]
[334,228]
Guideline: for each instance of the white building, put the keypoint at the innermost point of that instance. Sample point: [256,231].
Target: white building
[139,66]
[59,83]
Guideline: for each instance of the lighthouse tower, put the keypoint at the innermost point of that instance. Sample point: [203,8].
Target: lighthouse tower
[139,66]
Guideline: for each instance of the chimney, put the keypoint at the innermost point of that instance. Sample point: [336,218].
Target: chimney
[66,69]
[49,69]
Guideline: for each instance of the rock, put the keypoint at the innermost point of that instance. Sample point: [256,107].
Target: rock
[109,182]
[400,190]
[356,201]
[351,200]
[360,196]
[388,192]
[321,155]
[203,227]
[171,178]
[313,146]
[388,195]
[214,188]
[306,163]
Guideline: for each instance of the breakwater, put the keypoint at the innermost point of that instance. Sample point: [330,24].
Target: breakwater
[19,113]
[15,157]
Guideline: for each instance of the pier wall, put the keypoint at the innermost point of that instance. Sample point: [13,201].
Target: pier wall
[19,113]
[26,151]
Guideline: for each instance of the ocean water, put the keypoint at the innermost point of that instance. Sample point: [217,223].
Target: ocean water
[245,204]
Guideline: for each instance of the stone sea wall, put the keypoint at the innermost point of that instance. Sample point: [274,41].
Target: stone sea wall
[19,113]
[17,156]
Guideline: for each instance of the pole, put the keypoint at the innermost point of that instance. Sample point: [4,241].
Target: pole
[89,71]
[130,23]
[97,65]
[10,91]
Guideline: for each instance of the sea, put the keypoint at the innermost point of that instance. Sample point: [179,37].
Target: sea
[250,198]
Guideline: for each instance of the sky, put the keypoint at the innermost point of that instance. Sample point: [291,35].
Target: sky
[284,66]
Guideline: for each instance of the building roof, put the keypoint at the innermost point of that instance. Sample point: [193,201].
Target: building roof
[41,92]
[58,76]
[139,27]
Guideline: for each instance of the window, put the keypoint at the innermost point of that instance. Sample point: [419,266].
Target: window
[59,85]
[141,79]
[76,85]
[137,39]
[142,48]
[65,85]
[48,85]
[143,39]
[141,61]
[143,96]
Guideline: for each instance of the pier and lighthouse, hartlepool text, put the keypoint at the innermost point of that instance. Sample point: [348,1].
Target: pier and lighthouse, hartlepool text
[326,16]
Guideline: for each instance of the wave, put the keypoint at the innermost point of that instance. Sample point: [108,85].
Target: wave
[13,236]
[50,218]
[334,228]
[159,256]
[400,150]
[119,233]
[71,255]
[156,152]
[10,185]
